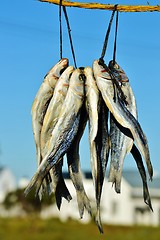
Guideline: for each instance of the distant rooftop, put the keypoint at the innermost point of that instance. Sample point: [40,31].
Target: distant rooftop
[131,176]
[134,179]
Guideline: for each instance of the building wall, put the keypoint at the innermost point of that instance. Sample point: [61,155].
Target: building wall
[116,208]
[7,183]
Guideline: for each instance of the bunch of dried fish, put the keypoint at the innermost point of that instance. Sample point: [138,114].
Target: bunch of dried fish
[66,100]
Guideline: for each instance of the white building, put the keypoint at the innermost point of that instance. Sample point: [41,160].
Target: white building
[126,208]
[7,182]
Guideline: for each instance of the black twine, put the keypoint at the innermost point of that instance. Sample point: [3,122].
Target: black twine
[60,27]
[107,33]
[115,40]
[69,33]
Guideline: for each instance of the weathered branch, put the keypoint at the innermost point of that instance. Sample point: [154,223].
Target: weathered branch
[120,8]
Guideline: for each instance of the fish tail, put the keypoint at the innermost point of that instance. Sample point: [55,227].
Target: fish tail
[62,191]
[83,202]
[45,187]
[138,158]
[98,220]
[115,177]
[35,183]
[147,199]
[117,186]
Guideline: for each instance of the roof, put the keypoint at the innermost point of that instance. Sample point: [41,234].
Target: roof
[131,176]
[134,179]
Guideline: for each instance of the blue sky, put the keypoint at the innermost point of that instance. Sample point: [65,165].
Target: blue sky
[29,47]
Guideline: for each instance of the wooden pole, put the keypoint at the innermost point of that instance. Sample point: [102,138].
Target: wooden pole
[120,8]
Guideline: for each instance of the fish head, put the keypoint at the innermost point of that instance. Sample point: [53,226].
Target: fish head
[57,70]
[77,82]
[63,81]
[118,71]
[88,71]
[67,73]
[101,70]
[60,67]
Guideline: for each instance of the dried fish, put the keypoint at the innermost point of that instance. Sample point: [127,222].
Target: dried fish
[49,122]
[41,102]
[120,112]
[98,137]
[64,131]
[121,138]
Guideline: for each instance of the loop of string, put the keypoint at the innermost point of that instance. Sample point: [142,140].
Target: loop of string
[60,27]
[107,33]
[70,37]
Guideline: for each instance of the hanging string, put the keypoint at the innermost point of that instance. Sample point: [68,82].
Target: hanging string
[70,37]
[60,27]
[101,60]
[115,39]
[107,33]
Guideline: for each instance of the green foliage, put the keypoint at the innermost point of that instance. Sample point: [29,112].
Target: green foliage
[30,203]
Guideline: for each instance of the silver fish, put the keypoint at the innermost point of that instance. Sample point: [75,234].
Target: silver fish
[73,160]
[93,108]
[120,112]
[49,122]
[121,139]
[64,131]
[41,102]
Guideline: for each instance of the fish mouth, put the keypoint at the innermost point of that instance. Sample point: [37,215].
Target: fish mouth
[65,63]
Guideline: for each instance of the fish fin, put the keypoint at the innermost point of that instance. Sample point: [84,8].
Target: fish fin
[83,202]
[98,220]
[35,183]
